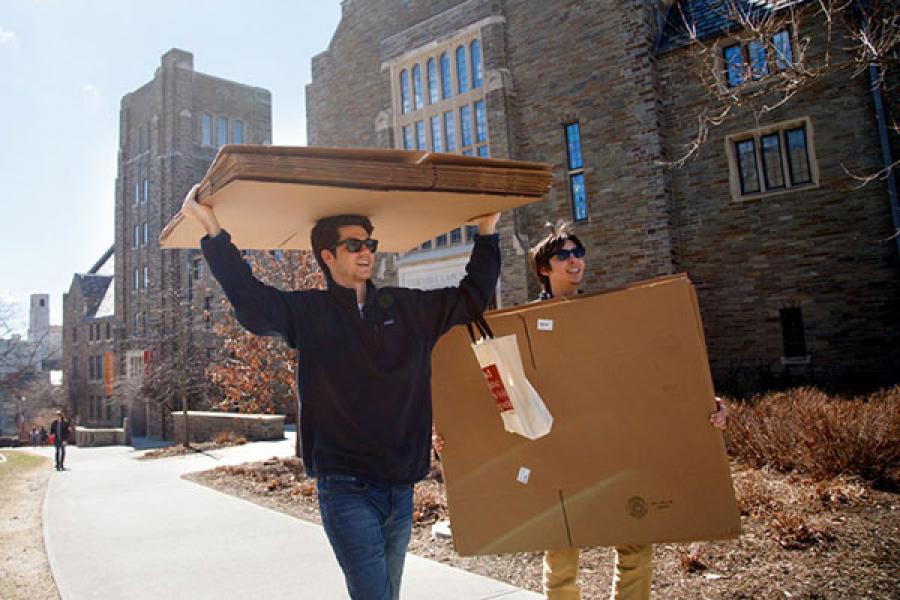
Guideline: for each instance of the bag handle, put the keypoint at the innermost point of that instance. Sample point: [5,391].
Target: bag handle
[477,317]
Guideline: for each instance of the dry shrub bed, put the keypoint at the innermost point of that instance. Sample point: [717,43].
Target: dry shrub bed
[807,431]
[223,439]
[806,534]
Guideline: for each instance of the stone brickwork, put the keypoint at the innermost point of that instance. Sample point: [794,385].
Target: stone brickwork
[160,142]
[824,249]
[88,334]
[551,63]
[205,426]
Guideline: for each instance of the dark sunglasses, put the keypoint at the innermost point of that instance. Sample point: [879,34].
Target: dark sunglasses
[565,254]
[354,245]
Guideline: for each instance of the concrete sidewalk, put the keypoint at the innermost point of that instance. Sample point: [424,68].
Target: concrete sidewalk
[116,527]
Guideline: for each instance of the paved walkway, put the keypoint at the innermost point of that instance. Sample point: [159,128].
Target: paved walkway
[116,527]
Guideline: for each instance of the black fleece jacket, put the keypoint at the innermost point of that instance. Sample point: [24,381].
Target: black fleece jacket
[364,381]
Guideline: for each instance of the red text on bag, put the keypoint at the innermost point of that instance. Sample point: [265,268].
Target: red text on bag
[498,390]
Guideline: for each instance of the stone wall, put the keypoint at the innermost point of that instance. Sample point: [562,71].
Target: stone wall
[205,426]
[86,437]
[824,249]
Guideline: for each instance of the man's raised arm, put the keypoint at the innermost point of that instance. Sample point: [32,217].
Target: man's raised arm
[262,309]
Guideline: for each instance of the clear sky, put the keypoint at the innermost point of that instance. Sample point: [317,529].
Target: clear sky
[65,65]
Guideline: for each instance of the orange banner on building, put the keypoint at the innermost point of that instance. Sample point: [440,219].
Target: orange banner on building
[108,373]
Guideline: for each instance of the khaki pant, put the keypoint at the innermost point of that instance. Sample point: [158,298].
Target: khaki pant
[631,580]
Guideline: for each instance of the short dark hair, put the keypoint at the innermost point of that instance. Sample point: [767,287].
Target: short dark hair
[540,254]
[325,235]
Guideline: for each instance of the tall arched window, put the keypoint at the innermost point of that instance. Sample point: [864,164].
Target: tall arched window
[418,100]
[446,77]
[432,81]
[475,57]
[462,72]
[404,91]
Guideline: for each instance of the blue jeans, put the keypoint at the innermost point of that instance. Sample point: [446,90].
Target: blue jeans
[368,525]
[60,455]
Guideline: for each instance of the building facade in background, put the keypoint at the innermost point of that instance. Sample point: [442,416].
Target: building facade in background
[797,277]
[170,130]
[89,344]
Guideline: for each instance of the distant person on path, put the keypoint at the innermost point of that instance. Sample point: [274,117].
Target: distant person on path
[43,436]
[59,429]
[35,437]
[364,365]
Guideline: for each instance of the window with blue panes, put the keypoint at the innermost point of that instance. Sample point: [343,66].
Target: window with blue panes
[408,142]
[450,130]
[404,91]
[462,71]
[781,41]
[421,142]
[432,81]
[437,143]
[761,55]
[759,68]
[237,132]
[477,70]
[734,65]
[465,124]
[575,168]
[441,106]
[446,77]
[418,99]
[222,138]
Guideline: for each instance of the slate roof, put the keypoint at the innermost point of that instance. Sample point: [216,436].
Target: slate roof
[708,17]
[94,289]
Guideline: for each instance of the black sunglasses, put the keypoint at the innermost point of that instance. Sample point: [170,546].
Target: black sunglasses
[564,254]
[354,245]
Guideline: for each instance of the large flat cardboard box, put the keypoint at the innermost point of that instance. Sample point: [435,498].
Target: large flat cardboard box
[631,458]
[269,197]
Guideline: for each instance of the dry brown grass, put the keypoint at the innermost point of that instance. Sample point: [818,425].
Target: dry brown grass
[808,431]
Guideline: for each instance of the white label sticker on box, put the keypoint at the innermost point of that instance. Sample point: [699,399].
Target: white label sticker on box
[524,474]
[545,324]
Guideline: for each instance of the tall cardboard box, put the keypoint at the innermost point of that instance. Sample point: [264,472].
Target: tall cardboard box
[631,458]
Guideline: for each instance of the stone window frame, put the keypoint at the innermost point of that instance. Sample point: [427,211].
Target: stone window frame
[756,135]
[749,80]
[405,123]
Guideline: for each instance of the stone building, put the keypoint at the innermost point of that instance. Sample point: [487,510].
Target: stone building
[795,279]
[89,344]
[170,130]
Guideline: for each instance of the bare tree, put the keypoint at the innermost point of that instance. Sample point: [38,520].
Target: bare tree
[177,377]
[827,39]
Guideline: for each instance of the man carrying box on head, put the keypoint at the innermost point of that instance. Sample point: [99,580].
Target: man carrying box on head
[364,365]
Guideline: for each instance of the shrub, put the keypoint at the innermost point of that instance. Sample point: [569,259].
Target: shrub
[810,432]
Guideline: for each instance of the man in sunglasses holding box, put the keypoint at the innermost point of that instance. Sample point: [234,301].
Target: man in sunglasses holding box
[558,261]
[364,368]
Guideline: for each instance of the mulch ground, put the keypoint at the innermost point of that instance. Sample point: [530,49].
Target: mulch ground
[837,539]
